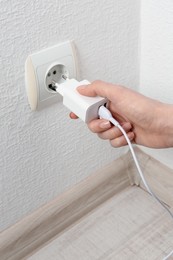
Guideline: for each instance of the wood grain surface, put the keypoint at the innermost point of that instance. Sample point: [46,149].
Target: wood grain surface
[129,226]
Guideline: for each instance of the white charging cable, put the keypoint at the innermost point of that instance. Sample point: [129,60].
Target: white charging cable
[106,114]
[167,257]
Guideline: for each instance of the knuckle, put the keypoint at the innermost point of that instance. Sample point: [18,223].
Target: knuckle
[118,142]
[101,136]
[97,82]
[92,127]
[113,143]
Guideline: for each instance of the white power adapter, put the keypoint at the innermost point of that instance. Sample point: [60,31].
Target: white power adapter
[86,108]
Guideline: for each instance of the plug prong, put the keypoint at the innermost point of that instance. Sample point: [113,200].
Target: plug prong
[65,77]
[54,85]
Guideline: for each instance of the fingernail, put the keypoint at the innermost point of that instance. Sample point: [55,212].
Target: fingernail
[127,126]
[131,137]
[105,124]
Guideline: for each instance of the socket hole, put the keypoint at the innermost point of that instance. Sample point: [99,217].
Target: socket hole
[48,74]
[50,86]
[54,72]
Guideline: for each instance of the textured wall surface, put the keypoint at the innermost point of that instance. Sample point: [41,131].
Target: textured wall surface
[156,73]
[43,153]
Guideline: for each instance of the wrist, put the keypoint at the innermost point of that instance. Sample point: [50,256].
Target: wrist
[165,123]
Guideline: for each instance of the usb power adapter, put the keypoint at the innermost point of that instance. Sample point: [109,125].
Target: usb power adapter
[86,108]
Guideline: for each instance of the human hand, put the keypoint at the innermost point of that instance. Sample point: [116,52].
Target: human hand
[145,120]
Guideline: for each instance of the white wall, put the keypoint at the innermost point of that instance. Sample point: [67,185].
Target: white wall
[44,153]
[156,67]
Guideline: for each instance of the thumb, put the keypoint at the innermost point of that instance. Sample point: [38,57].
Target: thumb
[97,88]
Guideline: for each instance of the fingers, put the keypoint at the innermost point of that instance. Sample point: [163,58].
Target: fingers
[73,116]
[99,125]
[121,141]
[99,88]
[108,132]
[114,132]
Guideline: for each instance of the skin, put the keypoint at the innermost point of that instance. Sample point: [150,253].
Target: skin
[147,122]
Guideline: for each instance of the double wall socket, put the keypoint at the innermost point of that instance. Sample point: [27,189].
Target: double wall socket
[45,65]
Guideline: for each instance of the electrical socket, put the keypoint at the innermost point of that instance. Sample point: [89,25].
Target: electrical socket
[39,68]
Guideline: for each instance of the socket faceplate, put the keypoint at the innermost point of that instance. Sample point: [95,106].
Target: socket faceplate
[36,68]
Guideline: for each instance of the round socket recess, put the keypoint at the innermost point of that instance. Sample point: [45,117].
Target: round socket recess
[57,73]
